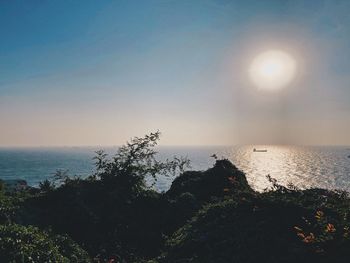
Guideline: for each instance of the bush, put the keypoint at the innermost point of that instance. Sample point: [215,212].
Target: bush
[112,212]
[29,244]
[136,161]
[46,186]
[205,217]
[278,226]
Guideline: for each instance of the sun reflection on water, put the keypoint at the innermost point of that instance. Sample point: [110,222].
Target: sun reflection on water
[303,167]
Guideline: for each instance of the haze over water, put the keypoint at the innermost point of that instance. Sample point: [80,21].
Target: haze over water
[312,166]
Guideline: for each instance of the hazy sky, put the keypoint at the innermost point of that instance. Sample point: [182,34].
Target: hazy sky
[100,72]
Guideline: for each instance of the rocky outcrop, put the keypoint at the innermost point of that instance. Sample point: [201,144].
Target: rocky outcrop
[218,181]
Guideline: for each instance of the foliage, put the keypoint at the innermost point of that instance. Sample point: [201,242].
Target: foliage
[112,212]
[10,204]
[206,216]
[29,244]
[8,208]
[280,226]
[46,186]
[135,161]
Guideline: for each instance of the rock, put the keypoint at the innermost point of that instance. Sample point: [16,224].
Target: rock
[222,179]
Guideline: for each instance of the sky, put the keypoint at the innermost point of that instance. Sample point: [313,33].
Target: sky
[100,72]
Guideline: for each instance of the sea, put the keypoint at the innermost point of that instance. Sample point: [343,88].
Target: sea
[303,166]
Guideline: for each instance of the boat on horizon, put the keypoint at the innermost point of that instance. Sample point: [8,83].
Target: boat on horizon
[262,150]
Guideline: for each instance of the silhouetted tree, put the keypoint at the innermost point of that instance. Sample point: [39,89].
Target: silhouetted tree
[135,161]
[46,186]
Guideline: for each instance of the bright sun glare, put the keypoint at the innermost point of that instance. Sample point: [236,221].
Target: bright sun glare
[272,69]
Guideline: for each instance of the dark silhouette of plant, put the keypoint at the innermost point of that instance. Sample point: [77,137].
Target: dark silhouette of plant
[206,216]
[46,186]
[61,176]
[135,161]
[115,211]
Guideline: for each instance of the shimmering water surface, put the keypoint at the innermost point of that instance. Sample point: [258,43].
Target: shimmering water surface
[317,166]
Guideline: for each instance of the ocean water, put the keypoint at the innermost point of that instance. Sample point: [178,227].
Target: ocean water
[317,166]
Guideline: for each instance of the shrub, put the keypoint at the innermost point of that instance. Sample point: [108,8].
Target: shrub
[113,212]
[46,186]
[286,225]
[29,244]
[135,161]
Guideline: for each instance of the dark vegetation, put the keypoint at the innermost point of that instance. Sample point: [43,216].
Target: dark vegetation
[206,216]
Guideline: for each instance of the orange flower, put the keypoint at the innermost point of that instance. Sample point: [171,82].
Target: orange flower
[309,239]
[226,190]
[330,228]
[319,215]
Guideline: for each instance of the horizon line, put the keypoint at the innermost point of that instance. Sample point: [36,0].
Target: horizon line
[167,145]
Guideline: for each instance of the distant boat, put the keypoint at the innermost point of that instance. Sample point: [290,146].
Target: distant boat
[260,151]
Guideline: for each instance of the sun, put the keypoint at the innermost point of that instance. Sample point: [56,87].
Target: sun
[272,69]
